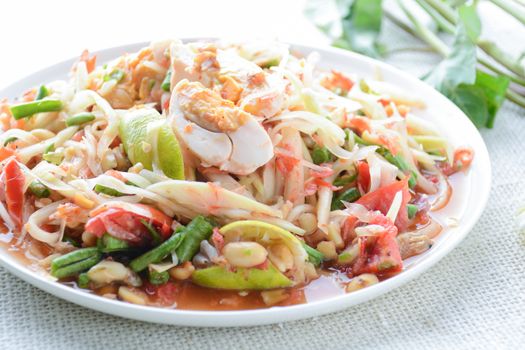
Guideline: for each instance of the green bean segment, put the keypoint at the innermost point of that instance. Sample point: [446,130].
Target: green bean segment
[9,140]
[110,244]
[75,262]
[157,278]
[156,254]
[314,256]
[83,280]
[166,83]
[107,191]
[350,195]
[28,109]
[39,189]
[155,236]
[321,155]
[345,180]
[198,230]
[42,92]
[80,118]
[116,75]
[412,210]
[50,148]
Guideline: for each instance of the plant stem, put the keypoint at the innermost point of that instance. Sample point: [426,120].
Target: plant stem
[444,9]
[442,22]
[410,49]
[511,8]
[515,97]
[490,48]
[512,77]
[400,23]
[424,33]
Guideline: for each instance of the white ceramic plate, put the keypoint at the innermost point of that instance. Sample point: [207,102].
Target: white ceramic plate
[467,204]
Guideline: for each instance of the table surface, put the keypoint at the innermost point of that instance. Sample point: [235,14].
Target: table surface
[474,298]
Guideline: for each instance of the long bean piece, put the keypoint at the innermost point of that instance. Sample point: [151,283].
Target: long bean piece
[198,230]
[157,254]
[75,262]
[27,109]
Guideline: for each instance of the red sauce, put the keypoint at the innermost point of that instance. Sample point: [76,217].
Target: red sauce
[187,296]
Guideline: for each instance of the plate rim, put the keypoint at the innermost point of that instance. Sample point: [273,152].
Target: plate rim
[200,318]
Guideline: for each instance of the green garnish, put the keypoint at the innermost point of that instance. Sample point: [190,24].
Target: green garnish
[42,92]
[116,74]
[80,118]
[9,140]
[107,191]
[75,262]
[350,195]
[28,109]
[39,189]
[158,278]
[155,236]
[411,210]
[166,83]
[321,155]
[109,244]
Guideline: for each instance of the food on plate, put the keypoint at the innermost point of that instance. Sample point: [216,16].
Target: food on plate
[223,176]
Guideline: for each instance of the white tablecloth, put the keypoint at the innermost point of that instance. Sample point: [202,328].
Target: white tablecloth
[473,299]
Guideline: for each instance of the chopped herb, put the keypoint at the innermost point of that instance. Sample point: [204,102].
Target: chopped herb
[9,140]
[116,75]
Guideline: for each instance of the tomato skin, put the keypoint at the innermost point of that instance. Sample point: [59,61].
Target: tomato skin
[463,158]
[285,163]
[14,190]
[361,124]
[6,153]
[116,174]
[381,199]
[348,229]
[217,239]
[89,61]
[167,293]
[127,225]
[363,176]
[384,256]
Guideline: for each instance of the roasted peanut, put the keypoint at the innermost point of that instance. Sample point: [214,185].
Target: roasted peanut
[361,281]
[244,254]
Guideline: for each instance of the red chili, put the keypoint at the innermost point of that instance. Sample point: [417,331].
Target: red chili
[14,190]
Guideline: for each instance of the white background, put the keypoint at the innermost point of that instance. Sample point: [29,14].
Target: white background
[36,34]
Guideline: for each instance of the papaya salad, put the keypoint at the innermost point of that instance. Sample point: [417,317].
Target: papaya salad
[214,175]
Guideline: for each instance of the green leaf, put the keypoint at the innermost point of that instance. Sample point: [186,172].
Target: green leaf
[471,21]
[328,15]
[352,24]
[478,94]
[494,89]
[471,100]
[460,65]
[362,26]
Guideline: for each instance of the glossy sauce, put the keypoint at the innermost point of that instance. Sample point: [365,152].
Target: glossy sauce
[187,296]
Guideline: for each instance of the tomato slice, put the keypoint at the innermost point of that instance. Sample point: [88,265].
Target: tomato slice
[363,176]
[6,153]
[462,158]
[90,61]
[381,199]
[383,257]
[14,190]
[126,224]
